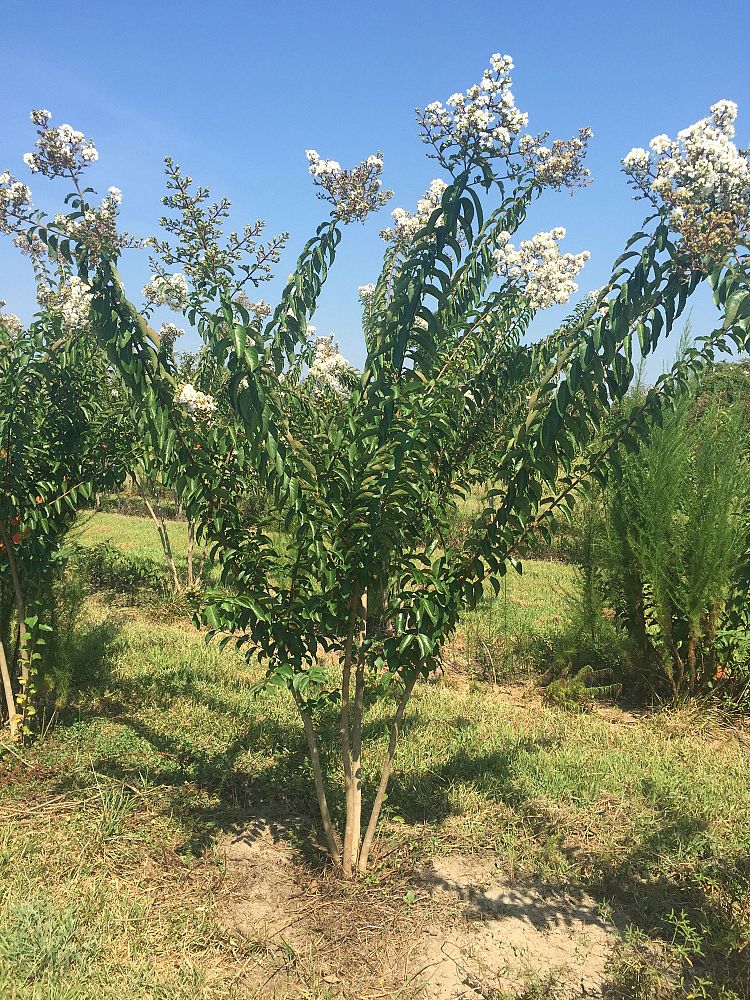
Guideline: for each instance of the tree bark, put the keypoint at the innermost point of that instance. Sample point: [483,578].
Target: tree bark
[329,830]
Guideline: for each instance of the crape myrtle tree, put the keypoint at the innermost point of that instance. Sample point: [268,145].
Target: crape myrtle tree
[61,428]
[357,598]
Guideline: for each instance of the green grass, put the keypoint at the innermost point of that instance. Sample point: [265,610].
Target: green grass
[111,886]
[505,636]
[136,535]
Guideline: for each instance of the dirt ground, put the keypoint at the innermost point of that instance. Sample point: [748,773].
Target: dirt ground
[453,929]
[496,937]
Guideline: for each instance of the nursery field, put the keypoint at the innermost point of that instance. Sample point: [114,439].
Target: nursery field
[409,659]
[161,840]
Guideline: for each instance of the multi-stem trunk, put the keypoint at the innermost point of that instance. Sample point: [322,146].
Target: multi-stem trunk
[353,853]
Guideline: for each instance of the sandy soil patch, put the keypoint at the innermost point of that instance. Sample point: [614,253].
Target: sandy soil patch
[455,930]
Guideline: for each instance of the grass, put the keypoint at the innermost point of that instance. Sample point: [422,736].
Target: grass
[505,636]
[136,535]
[111,882]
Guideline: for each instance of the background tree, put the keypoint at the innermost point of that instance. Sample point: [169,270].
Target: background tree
[61,428]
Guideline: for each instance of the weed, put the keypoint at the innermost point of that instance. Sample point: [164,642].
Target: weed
[39,938]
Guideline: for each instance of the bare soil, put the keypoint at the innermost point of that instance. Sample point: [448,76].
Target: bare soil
[497,938]
[453,929]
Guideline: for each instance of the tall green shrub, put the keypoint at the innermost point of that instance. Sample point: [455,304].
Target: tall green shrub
[677,528]
[61,440]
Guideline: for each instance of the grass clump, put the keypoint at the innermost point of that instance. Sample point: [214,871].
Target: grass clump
[104,566]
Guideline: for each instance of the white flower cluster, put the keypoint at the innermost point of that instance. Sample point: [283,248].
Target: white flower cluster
[405,224]
[10,322]
[637,161]
[14,198]
[96,229]
[168,334]
[30,243]
[546,275]
[261,309]
[481,122]
[561,164]
[199,405]
[72,303]
[319,167]
[75,307]
[353,193]
[328,366]
[167,290]
[60,151]
[699,174]
[366,293]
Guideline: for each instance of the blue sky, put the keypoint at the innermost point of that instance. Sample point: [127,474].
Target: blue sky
[236,91]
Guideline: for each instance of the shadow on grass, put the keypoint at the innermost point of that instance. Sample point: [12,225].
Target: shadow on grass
[676,872]
[262,769]
[258,785]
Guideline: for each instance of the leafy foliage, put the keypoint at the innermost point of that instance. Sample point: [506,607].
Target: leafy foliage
[61,427]
[103,565]
[676,532]
[451,395]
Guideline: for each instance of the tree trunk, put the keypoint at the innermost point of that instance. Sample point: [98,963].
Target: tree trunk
[356,819]
[166,546]
[385,774]
[10,700]
[329,830]
[23,645]
[352,787]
